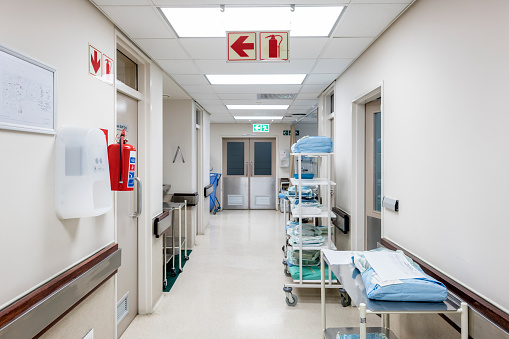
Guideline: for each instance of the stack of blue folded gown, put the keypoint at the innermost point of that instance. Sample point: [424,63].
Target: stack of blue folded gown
[315,144]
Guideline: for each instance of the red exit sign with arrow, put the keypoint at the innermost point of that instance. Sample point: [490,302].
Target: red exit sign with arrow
[100,65]
[241,46]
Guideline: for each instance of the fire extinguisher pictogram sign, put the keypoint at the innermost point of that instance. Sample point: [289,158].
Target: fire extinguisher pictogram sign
[274,46]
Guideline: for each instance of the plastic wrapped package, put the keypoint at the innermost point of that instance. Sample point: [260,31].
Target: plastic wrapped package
[416,289]
[309,257]
[357,336]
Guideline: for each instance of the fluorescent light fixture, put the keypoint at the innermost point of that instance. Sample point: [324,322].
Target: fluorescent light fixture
[237,117]
[209,22]
[257,107]
[256,79]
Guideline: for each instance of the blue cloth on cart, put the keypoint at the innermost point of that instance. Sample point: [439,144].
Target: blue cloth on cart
[417,289]
[282,196]
[306,191]
[214,179]
[314,144]
[357,336]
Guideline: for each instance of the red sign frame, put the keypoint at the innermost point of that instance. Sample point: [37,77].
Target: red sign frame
[228,46]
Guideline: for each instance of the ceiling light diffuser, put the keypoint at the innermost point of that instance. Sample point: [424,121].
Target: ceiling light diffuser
[256,79]
[257,107]
[258,117]
[214,21]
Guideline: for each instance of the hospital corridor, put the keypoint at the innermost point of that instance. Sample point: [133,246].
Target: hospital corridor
[187,169]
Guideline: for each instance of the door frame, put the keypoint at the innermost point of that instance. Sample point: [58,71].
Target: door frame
[278,171]
[145,274]
[358,223]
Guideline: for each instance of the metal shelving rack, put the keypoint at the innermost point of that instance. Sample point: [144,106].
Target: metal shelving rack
[291,299]
[176,242]
[352,282]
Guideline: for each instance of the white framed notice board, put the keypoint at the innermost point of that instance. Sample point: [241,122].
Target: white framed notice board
[28,93]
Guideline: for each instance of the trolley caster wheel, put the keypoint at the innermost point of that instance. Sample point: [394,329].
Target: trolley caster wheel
[287,273]
[345,300]
[180,270]
[283,248]
[165,284]
[214,212]
[291,303]
[186,257]
[173,272]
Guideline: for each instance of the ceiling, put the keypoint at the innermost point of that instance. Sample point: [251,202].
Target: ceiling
[187,60]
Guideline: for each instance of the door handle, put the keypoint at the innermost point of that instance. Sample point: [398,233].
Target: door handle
[251,171]
[247,168]
[139,195]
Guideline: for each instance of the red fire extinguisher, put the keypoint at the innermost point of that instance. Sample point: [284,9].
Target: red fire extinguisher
[122,159]
[274,46]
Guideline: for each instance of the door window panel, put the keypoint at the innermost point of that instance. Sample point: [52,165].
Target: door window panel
[235,158]
[263,158]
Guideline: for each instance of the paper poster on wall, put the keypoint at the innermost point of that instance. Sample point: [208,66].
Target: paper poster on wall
[27,100]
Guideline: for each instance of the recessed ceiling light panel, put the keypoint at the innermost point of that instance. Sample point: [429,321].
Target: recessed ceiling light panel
[258,117]
[257,107]
[212,22]
[256,79]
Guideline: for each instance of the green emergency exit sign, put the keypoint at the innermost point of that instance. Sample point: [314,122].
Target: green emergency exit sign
[260,127]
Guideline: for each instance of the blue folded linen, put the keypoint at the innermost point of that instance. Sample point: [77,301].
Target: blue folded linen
[314,144]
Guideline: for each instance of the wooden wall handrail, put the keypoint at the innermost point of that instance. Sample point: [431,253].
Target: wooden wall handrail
[474,301]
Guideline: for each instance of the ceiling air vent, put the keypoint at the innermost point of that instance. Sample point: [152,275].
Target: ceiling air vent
[265,96]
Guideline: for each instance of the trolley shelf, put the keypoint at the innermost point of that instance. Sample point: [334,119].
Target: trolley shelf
[324,214]
[332,332]
[304,247]
[314,181]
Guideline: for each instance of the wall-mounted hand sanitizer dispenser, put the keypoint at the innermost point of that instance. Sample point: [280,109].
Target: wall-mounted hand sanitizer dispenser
[82,173]
[284,158]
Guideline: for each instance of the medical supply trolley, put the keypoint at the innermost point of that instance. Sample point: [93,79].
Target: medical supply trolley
[352,282]
[299,281]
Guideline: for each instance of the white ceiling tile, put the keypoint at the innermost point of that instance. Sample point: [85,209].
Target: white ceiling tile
[205,48]
[219,111]
[309,102]
[337,66]
[254,89]
[211,103]
[178,66]
[321,79]
[306,48]
[190,79]
[205,96]
[237,96]
[221,120]
[313,88]
[299,66]
[308,95]
[192,89]
[139,21]
[172,89]
[346,48]
[122,2]
[162,48]
[367,20]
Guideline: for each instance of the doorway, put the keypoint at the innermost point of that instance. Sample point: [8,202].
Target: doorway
[249,173]
[127,225]
[373,184]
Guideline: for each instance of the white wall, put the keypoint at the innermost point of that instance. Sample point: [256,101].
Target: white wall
[179,130]
[35,245]
[305,129]
[445,70]
[156,174]
[206,167]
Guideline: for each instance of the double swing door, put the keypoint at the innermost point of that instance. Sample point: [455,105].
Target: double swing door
[249,173]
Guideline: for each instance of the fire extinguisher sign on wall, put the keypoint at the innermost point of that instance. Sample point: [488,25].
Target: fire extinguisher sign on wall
[274,46]
[132,169]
